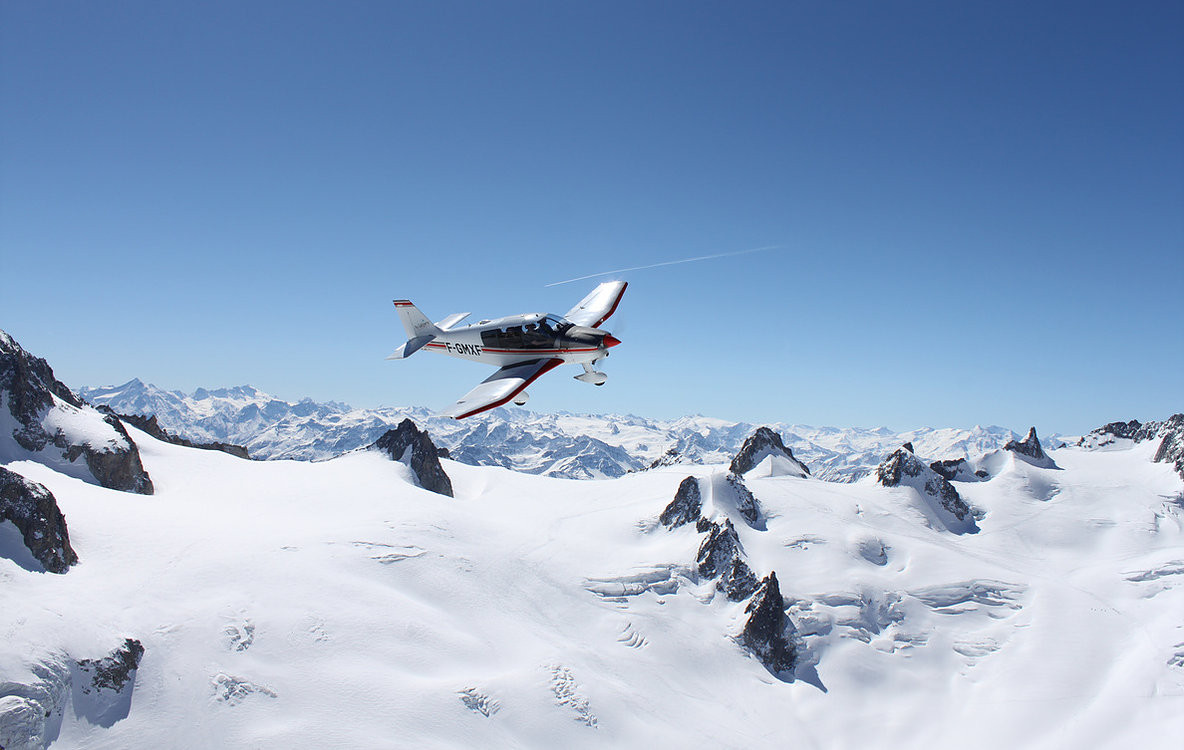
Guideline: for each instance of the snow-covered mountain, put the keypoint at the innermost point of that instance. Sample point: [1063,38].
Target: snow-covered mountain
[279,604]
[561,445]
[1027,597]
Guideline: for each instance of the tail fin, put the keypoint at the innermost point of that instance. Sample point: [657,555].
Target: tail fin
[414,321]
[420,330]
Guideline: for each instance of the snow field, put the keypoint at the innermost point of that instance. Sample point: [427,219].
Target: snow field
[291,604]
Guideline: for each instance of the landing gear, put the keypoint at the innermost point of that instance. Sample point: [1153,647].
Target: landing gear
[592,376]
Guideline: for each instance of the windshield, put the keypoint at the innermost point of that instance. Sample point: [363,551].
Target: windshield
[557,323]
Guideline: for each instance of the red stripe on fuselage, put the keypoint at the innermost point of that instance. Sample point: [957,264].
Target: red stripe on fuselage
[439,345]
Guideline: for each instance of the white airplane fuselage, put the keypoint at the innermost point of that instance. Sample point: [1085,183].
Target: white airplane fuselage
[523,338]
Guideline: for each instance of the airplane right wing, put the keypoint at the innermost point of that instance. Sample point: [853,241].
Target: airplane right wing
[599,305]
[500,387]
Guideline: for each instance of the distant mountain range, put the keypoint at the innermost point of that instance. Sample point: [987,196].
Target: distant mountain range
[577,446]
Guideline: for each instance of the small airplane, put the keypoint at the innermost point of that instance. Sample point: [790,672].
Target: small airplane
[522,346]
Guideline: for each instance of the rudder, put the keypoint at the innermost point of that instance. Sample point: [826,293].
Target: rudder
[414,321]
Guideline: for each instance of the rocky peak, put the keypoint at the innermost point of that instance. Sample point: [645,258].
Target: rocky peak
[720,556]
[1029,446]
[763,444]
[686,505]
[765,631]
[412,446]
[34,511]
[28,382]
[957,468]
[902,467]
[55,427]
[746,504]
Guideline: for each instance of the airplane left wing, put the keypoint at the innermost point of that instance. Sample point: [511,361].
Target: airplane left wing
[500,387]
[600,303]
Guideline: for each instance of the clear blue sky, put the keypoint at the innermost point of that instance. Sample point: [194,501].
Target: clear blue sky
[979,207]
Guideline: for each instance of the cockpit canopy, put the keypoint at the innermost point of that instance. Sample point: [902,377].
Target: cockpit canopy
[540,333]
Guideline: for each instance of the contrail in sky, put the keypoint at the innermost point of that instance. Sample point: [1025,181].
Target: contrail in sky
[666,263]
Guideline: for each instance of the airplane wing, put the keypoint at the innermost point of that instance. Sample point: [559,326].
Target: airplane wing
[598,305]
[500,387]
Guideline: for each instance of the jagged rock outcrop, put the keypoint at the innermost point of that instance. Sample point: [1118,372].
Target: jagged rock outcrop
[113,671]
[103,687]
[903,467]
[34,511]
[686,505]
[765,444]
[1132,430]
[1030,450]
[720,557]
[409,444]
[152,427]
[55,427]
[1171,446]
[765,632]
[671,457]
[1029,446]
[1169,432]
[956,468]
[746,502]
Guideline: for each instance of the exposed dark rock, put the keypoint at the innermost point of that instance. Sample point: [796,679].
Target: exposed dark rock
[671,457]
[103,687]
[1171,446]
[1029,446]
[745,501]
[908,447]
[409,444]
[957,469]
[153,428]
[29,382]
[737,580]
[759,446]
[686,505]
[902,467]
[1132,430]
[115,468]
[34,511]
[948,468]
[765,633]
[29,388]
[113,671]
[720,556]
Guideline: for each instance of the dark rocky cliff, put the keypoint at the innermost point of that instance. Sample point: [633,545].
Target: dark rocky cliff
[411,445]
[34,511]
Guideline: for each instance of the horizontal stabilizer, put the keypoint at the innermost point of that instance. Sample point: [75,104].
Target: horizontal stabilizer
[411,347]
[451,320]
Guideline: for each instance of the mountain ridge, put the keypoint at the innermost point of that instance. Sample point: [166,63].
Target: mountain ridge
[563,444]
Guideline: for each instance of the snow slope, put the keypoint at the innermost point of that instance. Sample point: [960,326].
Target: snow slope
[293,604]
[566,445]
